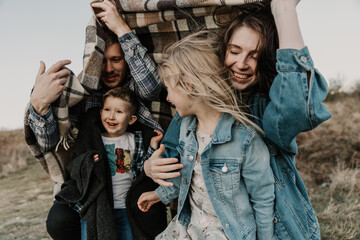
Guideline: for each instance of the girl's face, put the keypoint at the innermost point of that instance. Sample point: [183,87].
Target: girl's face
[178,100]
[241,57]
[115,116]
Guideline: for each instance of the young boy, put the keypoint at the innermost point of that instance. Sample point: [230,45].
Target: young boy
[122,158]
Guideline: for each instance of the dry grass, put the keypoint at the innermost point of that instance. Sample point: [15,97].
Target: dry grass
[14,154]
[26,197]
[328,160]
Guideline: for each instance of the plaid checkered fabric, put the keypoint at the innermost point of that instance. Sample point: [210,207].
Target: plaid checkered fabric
[157,23]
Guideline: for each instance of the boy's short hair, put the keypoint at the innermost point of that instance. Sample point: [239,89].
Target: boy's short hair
[124,94]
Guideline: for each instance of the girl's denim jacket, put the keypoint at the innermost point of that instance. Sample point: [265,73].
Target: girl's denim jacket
[295,106]
[237,175]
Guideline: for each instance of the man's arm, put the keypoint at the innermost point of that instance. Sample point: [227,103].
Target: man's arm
[142,67]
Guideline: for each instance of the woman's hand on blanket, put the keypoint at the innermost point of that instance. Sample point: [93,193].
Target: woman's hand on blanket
[49,85]
[287,25]
[146,200]
[160,169]
[111,17]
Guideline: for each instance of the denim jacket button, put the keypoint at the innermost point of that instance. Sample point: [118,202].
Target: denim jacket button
[191,157]
[303,59]
[227,225]
[275,220]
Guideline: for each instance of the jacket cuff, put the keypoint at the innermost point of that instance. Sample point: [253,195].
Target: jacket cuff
[41,120]
[163,195]
[129,42]
[293,60]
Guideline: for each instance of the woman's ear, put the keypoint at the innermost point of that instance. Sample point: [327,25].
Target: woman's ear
[133,119]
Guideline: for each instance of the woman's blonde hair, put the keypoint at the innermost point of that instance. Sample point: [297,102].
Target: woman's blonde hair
[193,67]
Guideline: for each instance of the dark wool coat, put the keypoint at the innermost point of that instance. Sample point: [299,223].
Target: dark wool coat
[90,187]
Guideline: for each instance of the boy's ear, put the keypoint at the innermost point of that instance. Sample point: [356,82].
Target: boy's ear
[133,119]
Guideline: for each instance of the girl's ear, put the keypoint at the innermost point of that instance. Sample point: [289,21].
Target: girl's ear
[133,119]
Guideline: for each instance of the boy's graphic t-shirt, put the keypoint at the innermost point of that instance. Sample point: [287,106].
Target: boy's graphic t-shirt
[120,151]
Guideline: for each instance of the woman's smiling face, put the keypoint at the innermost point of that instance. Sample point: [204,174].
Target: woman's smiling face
[241,57]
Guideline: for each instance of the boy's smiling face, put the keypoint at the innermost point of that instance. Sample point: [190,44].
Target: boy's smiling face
[116,116]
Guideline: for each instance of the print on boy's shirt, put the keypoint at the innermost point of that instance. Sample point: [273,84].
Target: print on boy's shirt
[119,159]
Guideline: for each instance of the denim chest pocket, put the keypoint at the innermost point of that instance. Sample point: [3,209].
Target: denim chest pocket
[225,173]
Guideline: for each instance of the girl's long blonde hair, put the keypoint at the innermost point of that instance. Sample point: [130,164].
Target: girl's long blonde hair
[193,67]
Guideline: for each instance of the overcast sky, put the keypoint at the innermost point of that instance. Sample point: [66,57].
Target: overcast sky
[51,30]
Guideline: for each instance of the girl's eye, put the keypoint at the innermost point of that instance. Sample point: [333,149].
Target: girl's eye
[106,109]
[118,111]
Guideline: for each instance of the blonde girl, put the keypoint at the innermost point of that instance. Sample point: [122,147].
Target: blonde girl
[226,187]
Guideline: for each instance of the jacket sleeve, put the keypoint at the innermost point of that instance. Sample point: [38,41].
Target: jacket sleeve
[171,138]
[260,183]
[296,97]
[171,141]
[167,194]
[45,129]
[142,68]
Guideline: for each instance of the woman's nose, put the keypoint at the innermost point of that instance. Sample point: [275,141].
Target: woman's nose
[241,62]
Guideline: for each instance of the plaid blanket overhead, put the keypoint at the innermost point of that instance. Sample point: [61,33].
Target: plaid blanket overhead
[157,23]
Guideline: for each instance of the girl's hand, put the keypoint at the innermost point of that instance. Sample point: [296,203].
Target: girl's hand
[111,17]
[146,200]
[154,142]
[96,157]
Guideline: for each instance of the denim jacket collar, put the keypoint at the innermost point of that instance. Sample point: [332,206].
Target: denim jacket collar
[222,131]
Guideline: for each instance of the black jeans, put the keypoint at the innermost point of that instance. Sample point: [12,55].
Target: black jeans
[63,223]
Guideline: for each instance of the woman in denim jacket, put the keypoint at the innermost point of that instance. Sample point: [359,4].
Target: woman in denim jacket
[224,158]
[285,100]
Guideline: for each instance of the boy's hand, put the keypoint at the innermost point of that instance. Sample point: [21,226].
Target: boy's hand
[146,200]
[154,142]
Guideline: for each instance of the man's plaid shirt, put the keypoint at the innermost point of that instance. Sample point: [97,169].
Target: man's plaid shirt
[143,80]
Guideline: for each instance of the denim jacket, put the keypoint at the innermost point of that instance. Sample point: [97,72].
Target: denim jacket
[295,106]
[233,164]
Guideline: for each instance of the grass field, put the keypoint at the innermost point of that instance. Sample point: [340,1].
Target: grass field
[328,161]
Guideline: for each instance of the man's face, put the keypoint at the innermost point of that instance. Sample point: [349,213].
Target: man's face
[114,66]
